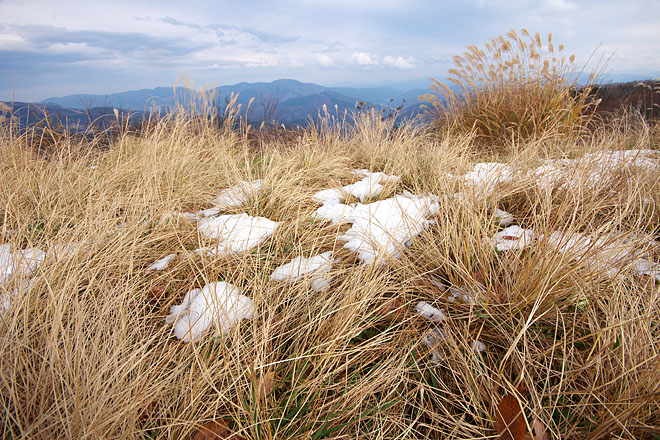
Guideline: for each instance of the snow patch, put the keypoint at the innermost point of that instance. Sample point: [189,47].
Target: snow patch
[232,197]
[336,213]
[379,229]
[370,186]
[427,311]
[19,263]
[330,196]
[591,168]
[432,338]
[377,176]
[644,267]
[513,238]
[503,218]
[317,267]
[485,176]
[162,263]
[191,217]
[236,233]
[607,253]
[216,303]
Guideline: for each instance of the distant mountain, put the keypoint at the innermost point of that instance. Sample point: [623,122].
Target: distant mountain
[296,111]
[74,120]
[140,100]
[305,99]
[376,95]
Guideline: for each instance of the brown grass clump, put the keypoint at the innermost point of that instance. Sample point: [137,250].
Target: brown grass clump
[517,89]
[84,352]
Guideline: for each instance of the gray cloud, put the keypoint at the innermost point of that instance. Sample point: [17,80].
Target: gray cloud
[262,37]
[173,21]
[43,39]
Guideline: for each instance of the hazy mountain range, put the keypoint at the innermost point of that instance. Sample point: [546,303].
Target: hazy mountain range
[286,101]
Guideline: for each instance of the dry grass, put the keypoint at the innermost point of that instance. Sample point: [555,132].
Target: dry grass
[516,90]
[84,352]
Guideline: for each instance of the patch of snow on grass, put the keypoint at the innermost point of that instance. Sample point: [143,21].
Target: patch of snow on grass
[591,168]
[191,217]
[644,267]
[364,189]
[370,186]
[336,213]
[607,253]
[162,263]
[377,176]
[20,263]
[232,197]
[503,218]
[427,311]
[219,303]
[478,346]
[380,229]
[513,238]
[432,338]
[317,267]
[237,233]
[485,176]
[330,196]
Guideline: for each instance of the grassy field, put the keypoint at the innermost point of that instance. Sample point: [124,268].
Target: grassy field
[85,352]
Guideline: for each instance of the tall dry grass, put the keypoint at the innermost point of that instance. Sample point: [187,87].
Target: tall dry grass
[84,352]
[518,88]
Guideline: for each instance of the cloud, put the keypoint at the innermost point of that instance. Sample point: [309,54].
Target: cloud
[324,60]
[51,39]
[363,59]
[173,21]
[399,62]
[559,6]
[256,34]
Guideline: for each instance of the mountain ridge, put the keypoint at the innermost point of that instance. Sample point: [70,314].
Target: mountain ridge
[258,95]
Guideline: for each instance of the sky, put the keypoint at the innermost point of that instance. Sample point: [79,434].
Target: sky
[55,48]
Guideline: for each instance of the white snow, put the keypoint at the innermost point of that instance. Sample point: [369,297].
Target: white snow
[5,301]
[365,188]
[485,176]
[21,289]
[503,218]
[63,250]
[463,294]
[330,196]
[317,267]
[370,186]
[236,233]
[432,338]
[380,229]
[607,253]
[427,311]
[162,263]
[644,267]
[219,303]
[19,263]
[377,176]
[591,168]
[466,295]
[336,213]
[232,197]
[513,238]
